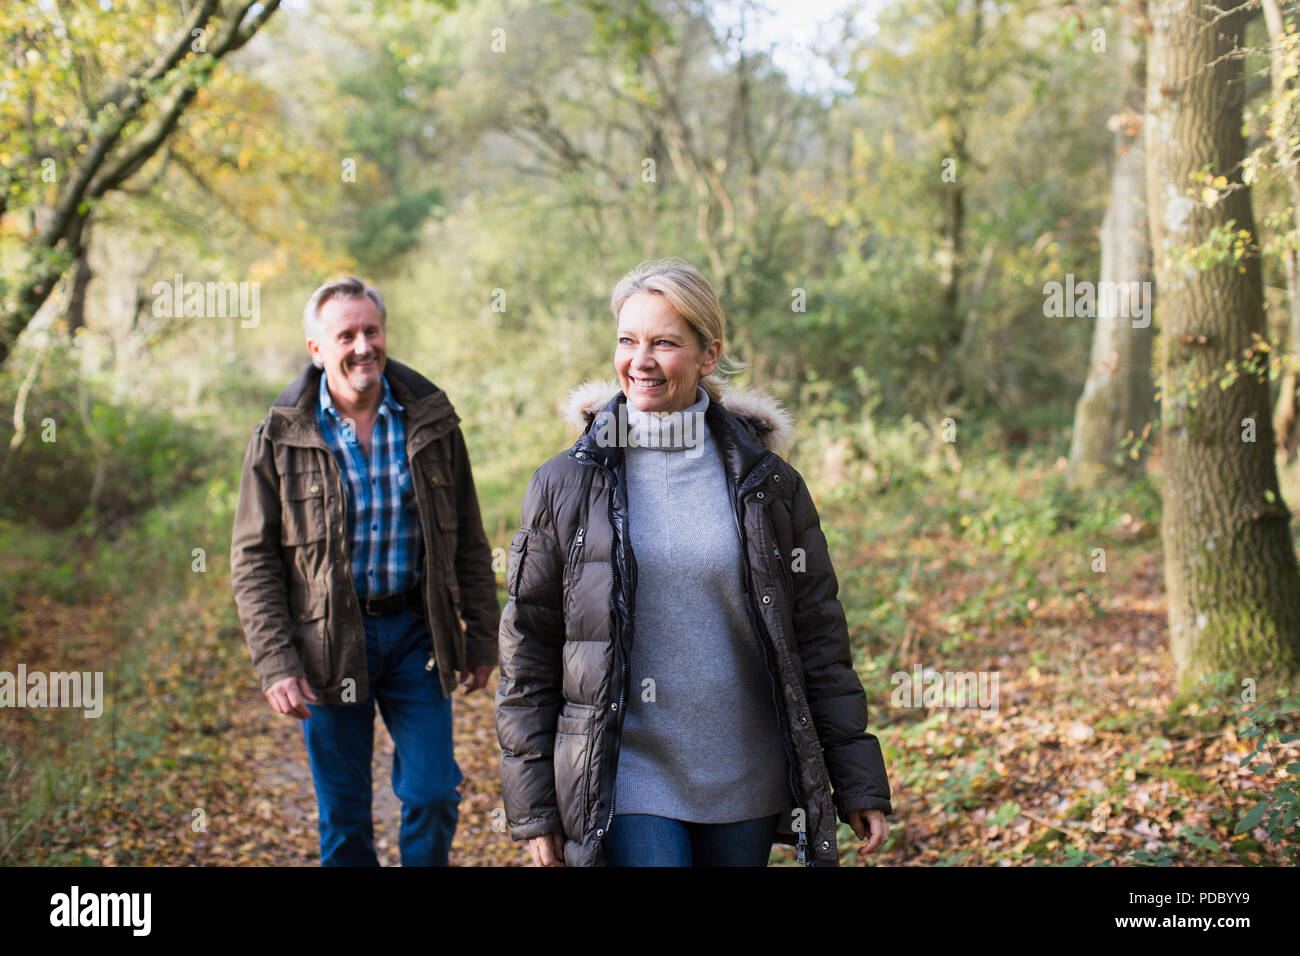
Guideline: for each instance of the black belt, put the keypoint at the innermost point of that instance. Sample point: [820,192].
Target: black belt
[390,604]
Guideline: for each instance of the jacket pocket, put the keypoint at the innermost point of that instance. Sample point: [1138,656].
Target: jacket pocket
[573,565]
[572,757]
[457,628]
[442,490]
[515,563]
[302,508]
[572,574]
[782,558]
[309,607]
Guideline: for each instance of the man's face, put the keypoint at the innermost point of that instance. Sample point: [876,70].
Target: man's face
[351,346]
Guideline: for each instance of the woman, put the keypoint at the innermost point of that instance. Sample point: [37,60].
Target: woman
[676,683]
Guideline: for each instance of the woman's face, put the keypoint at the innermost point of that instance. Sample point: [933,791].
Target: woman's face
[659,359]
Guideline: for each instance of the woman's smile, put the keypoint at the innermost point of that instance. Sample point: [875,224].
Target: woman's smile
[659,358]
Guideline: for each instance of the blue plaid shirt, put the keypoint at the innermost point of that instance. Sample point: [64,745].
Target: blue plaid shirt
[383,523]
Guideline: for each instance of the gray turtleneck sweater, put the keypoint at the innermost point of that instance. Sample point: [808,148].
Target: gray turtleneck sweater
[700,738]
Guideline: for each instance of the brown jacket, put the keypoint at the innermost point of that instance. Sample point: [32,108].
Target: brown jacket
[288,552]
[567,631]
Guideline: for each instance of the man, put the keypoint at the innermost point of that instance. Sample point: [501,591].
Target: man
[357,551]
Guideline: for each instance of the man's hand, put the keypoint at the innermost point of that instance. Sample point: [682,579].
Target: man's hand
[472,681]
[861,820]
[547,850]
[286,697]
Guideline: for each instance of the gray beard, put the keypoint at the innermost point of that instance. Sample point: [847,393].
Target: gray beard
[362,388]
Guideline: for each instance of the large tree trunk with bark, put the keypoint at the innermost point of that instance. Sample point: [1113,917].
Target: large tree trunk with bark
[1118,396]
[1230,565]
[1284,415]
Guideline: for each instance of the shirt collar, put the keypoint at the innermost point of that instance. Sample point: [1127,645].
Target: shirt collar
[327,401]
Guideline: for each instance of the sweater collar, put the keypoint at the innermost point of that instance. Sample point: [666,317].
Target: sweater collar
[669,431]
[740,449]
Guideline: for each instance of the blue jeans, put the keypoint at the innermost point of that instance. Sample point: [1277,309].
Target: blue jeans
[340,741]
[639,839]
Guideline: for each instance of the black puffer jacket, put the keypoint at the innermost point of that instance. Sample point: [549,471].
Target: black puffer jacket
[567,631]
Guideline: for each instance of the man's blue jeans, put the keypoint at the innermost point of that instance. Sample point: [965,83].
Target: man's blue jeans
[340,743]
[639,839]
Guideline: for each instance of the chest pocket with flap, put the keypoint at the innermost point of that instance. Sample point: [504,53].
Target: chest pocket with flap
[302,508]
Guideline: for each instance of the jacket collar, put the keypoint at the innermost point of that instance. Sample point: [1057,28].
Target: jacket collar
[771,424]
[329,408]
[745,423]
[292,417]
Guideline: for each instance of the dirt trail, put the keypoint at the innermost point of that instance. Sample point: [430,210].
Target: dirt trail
[294,810]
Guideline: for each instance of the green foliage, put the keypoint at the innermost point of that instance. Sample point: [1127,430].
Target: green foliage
[1163,855]
[63,792]
[942,84]
[389,137]
[127,457]
[54,565]
[629,30]
[1277,814]
[91,93]
[1224,245]
[954,774]
[1260,360]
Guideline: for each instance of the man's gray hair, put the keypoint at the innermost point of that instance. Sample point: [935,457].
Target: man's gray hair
[347,287]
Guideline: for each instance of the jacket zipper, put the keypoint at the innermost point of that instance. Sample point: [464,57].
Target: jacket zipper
[627,670]
[573,557]
[343,526]
[576,549]
[413,445]
[415,442]
[614,579]
[342,523]
[802,836]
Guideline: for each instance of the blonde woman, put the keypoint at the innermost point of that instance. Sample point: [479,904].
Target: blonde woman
[676,682]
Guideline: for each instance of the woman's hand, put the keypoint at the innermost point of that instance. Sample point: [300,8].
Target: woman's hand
[862,820]
[547,850]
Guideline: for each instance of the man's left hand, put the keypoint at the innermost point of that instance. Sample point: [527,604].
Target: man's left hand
[874,820]
[473,680]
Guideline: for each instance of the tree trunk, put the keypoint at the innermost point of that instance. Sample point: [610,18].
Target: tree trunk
[1230,566]
[80,283]
[1118,397]
[1284,415]
[950,386]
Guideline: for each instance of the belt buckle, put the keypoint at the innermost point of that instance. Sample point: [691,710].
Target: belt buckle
[368,608]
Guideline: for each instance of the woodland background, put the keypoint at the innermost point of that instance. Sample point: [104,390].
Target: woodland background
[882,193]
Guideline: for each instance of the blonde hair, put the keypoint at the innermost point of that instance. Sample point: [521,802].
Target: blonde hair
[691,296]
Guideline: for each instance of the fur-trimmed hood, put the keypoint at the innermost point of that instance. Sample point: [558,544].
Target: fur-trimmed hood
[770,421]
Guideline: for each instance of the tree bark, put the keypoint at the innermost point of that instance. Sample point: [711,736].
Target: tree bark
[953,240]
[80,284]
[1284,415]
[1230,565]
[1118,396]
